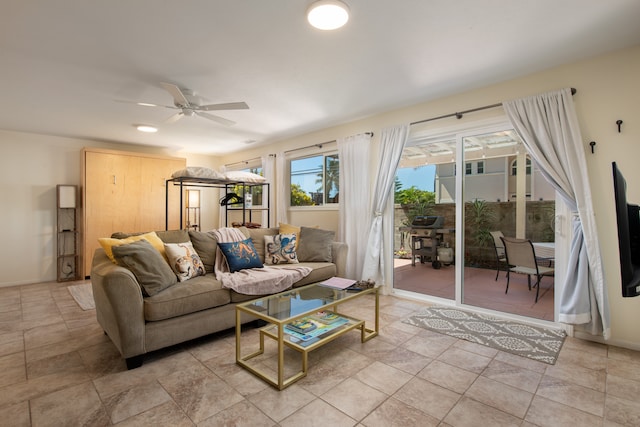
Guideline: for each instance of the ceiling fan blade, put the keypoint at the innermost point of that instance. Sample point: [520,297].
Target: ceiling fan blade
[176,93]
[216,119]
[227,106]
[175,117]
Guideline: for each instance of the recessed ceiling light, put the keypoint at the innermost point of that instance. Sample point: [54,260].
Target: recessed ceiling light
[146,128]
[328,14]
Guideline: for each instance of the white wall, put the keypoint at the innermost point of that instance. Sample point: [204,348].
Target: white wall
[608,90]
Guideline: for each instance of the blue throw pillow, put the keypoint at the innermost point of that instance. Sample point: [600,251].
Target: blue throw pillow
[240,255]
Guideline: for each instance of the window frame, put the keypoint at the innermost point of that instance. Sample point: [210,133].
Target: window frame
[326,205]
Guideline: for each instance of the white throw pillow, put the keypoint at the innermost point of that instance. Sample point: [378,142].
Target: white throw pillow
[280,249]
[243,176]
[184,260]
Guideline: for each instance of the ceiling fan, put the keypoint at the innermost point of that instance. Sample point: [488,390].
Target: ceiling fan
[189,105]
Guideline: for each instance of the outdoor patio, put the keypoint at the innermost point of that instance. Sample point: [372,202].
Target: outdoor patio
[480,288]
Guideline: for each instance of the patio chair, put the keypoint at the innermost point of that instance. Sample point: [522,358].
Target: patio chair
[499,248]
[521,258]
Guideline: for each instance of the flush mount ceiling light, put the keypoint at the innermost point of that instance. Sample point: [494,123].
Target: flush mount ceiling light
[146,128]
[328,14]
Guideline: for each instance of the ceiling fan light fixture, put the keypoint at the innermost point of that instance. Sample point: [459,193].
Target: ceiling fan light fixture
[328,14]
[147,128]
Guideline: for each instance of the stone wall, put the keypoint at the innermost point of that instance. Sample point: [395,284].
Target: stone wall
[540,227]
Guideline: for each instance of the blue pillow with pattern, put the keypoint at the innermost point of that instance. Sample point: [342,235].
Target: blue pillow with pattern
[240,255]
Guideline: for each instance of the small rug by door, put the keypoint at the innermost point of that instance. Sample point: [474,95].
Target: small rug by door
[534,342]
[83,294]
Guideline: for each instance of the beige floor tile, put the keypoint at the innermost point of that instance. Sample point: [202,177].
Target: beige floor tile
[278,405]
[448,376]
[585,359]
[470,413]
[242,414]
[166,415]
[405,360]
[62,363]
[595,379]
[383,377]
[622,387]
[512,375]
[547,413]
[619,353]
[624,368]
[570,394]
[394,413]
[476,348]
[12,369]
[354,398]
[430,398]
[77,405]
[523,362]
[318,413]
[464,359]
[199,392]
[135,401]
[30,389]
[430,345]
[622,411]
[508,399]
[16,415]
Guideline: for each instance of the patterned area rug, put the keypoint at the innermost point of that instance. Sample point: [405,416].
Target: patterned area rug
[534,342]
[83,294]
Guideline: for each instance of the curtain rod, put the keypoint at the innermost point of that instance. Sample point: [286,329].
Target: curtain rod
[458,115]
[319,145]
[243,161]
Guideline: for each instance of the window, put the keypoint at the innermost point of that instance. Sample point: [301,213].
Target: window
[480,167]
[514,167]
[468,168]
[315,180]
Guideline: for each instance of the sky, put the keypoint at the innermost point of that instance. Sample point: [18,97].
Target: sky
[421,177]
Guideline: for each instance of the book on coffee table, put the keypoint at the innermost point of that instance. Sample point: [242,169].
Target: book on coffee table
[337,283]
[326,317]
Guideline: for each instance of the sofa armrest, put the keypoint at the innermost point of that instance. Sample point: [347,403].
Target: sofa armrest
[119,304]
[339,257]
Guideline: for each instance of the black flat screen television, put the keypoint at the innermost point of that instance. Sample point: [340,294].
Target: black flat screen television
[628,217]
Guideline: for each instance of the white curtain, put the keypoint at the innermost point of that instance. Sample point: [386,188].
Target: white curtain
[392,142]
[548,125]
[354,197]
[279,188]
[269,171]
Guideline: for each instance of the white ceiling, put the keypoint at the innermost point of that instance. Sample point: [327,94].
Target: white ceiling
[76,68]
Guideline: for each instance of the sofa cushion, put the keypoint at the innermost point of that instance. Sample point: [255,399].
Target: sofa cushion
[280,249]
[257,237]
[240,255]
[199,293]
[206,246]
[108,243]
[184,260]
[315,245]
[145,262]
[173,236]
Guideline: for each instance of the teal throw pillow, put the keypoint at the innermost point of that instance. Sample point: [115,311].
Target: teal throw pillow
[240,255]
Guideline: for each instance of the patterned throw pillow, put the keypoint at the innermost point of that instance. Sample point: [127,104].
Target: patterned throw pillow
[240,255]
[280,249]
[184,260]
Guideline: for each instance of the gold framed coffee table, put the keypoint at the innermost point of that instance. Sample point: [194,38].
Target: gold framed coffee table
[301,304]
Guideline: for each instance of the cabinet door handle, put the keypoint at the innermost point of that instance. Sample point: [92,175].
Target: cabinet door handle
[114,180]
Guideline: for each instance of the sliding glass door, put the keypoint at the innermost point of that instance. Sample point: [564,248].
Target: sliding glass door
[484,186]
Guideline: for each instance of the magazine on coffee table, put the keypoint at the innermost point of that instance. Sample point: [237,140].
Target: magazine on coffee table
[337,283]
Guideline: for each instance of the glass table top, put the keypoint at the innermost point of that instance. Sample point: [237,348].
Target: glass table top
[295,302]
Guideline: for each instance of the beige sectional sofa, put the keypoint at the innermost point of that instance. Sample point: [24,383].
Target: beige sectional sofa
[138,324]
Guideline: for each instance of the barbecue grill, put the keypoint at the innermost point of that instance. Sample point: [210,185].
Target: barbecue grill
[426,236]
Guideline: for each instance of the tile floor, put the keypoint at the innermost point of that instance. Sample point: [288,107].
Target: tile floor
[57,368]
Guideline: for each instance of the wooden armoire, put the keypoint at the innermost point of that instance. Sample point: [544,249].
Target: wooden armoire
[124,191]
